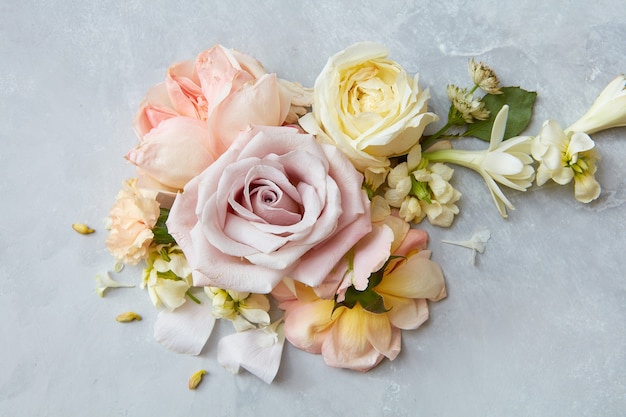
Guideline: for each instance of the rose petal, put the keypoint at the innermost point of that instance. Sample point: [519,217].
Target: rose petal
[258,351]
[175,139]
[186,329]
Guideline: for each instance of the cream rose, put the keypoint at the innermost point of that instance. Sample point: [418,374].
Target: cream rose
[369,107]
[275,204]
[190,119]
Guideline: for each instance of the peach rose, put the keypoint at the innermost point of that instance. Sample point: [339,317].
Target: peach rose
[186,122]
[275,204]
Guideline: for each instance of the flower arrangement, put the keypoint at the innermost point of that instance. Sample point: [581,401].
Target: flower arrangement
[292,211]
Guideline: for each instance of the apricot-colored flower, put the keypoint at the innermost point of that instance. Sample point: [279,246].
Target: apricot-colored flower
[356,337]
[130,222]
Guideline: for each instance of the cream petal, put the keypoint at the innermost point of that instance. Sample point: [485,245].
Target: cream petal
[586,188]
[499,126]
[170,293]
[579,142]
[498,163]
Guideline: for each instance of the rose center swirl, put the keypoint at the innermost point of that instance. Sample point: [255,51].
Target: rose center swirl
[268,201]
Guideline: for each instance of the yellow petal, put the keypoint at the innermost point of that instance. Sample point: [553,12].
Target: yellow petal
[419,277]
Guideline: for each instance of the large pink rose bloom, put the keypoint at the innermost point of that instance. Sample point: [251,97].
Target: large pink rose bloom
[188,121]
[275,204]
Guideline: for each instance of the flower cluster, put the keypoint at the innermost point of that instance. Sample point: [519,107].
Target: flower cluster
[251,188]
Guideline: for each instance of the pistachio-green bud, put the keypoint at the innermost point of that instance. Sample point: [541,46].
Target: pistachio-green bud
[82,228]
[128,317]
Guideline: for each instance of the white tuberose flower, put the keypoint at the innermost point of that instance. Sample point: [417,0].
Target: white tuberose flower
[506,162]
[608,111]
[564,156]
[104,282]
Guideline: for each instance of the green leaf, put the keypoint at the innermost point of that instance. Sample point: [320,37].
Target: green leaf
[369,299]
[520,104]
[161,235]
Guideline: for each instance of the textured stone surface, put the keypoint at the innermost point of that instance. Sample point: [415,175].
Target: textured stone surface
[535,328]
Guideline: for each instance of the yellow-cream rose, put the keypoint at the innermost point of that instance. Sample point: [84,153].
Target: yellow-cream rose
[369,107]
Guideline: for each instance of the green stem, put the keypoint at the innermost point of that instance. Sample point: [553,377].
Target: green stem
[192,297]
[430,139]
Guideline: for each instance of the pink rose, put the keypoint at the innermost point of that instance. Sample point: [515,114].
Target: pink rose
[189,120]
[275,204]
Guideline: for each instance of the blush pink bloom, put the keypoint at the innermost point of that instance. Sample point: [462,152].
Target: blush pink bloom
[190,119]
[355,338]
[275,204]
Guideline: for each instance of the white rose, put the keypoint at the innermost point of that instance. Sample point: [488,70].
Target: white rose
[369,107]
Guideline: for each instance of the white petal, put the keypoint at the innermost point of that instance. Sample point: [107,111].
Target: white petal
[499,126]
[258,351]
[186,329]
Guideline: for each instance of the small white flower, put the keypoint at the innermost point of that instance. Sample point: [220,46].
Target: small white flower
[411,210]
[506,162]
[103,282]
[419,190]
[476,243]
[608,111]
[167,276]
[564,156]
[469,108]
[441,207]
[244,309]
[484,77]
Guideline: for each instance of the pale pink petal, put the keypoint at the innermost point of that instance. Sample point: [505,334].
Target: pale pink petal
[164,147]
[405,313]
[216,69]
[214,268]
[257,351]
[186,329]
[185,93]
[307,323]
[256,103]
[370,254]
[318,262]
[154,108]
[249,64]
[414,240]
